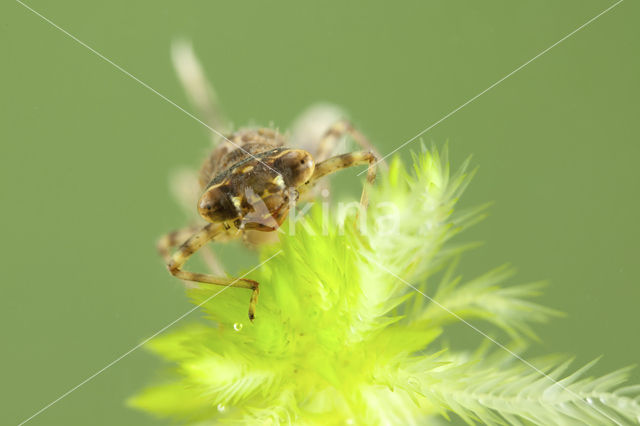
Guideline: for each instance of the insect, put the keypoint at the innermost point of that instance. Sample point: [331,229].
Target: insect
[251,179]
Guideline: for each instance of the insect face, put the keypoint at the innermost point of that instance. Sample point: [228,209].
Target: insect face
[256,193]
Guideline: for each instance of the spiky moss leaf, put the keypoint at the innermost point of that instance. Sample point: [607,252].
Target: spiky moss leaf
[500,389]
[338,338]
[483,298]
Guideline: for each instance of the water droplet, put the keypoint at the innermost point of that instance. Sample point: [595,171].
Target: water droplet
[221,408]
[603,400]
[237,326]
[325,193]
[590,401]
[412,381]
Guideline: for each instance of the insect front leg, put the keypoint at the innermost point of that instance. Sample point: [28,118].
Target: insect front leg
[340,162]
[176,238]
[208,233]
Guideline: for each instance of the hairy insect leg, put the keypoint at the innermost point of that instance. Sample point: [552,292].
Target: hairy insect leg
[330,139]
[208,233]
[344,161]
[198,89]
[176,238]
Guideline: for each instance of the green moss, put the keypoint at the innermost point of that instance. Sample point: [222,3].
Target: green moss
[341,338]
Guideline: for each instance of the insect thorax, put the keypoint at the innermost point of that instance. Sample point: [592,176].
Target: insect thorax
[238,147]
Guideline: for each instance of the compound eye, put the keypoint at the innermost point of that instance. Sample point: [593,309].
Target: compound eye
[297,167]
[214,206]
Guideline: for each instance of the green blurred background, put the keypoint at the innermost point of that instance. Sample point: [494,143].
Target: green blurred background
[86,153]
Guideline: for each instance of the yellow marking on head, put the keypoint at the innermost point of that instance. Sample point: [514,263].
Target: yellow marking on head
[237,201]
[281,153]
[216,185]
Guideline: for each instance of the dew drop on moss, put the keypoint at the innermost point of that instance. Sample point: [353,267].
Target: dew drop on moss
[237,326]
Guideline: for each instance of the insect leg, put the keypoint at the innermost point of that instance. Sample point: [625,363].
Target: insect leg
[176,238]
[208,233]
[331,137]
[340,162]
[199,91]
